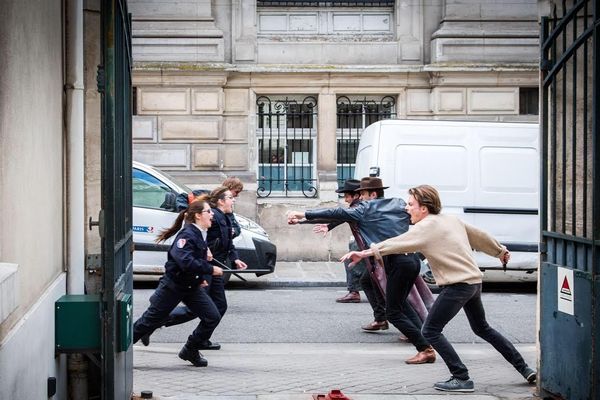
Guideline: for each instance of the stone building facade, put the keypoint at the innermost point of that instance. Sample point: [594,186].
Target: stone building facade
[277,91]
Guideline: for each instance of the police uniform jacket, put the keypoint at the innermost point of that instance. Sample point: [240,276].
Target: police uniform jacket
[186,264]
[220,237]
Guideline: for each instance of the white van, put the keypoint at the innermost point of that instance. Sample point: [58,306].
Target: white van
[487,174]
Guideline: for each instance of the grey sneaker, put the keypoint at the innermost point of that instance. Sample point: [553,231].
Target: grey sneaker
[529,374]
[455,385]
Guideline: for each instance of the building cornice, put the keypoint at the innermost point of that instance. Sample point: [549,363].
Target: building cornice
[186,68]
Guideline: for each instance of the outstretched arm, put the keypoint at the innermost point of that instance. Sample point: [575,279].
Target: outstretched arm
[336,214]
[321,228]
[294,217]
[356,256]
[482,241]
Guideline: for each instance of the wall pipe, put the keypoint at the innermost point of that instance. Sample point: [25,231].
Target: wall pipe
[75,167]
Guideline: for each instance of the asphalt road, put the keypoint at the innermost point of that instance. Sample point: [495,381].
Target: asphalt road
[310,315]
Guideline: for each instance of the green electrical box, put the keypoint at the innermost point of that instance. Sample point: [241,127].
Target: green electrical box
[125,310]
[77,323]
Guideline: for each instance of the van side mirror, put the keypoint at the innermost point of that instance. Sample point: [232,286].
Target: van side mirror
[374,171]
[169,203]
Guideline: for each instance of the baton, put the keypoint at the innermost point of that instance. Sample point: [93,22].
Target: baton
[222,265]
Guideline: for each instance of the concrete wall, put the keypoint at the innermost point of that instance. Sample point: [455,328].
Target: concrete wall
[486,31]
[27,356]
[31,191]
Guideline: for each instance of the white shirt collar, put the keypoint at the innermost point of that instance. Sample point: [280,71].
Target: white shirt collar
[203,231]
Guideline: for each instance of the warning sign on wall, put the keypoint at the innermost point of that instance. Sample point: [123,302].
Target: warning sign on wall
[566,290]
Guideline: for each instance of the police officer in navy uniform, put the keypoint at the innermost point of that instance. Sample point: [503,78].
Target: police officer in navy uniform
[186,269]
[235,185]
[220,241]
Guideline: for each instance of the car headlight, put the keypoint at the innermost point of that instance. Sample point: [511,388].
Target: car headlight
[250,225]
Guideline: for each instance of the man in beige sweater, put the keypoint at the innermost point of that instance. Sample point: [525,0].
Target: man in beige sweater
[448,245]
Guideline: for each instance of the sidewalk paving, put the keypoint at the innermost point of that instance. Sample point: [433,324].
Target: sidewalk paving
[284,371]
[297,371]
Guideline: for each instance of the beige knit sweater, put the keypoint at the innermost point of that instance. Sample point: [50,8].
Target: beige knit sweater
[447,242]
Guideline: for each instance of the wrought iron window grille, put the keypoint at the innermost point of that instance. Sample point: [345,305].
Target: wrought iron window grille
[286,131]
[353,116]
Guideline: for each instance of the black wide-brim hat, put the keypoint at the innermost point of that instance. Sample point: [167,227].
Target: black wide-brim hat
[371,183]
[350,186]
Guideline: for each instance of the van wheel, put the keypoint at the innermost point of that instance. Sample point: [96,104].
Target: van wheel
[428,278]
[430,281]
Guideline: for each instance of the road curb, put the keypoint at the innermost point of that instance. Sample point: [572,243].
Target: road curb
[281,284]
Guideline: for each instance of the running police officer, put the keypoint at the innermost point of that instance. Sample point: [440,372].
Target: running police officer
[186,268]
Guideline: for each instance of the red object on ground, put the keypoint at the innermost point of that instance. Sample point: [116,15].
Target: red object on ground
[335,394]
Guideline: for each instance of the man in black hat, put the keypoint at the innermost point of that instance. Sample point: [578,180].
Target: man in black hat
[353,274]
[376,219]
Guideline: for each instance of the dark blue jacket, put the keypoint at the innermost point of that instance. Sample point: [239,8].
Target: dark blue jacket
[377,219]
[182,202]
[220,237]
[237,229]
[186,263]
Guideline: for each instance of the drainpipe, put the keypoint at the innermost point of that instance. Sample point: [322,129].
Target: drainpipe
[75,147]
[74,88]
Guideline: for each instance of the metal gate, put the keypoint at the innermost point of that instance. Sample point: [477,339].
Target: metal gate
[570,203]
[114,82]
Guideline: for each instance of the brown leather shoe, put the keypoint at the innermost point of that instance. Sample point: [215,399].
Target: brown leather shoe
[351,297]
[376,326]
[423,357]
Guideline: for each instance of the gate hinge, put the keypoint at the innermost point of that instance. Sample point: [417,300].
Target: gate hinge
[93,262]
[100,79]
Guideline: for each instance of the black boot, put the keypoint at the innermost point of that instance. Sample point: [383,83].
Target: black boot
[146,339]
[192,355]
[208,345]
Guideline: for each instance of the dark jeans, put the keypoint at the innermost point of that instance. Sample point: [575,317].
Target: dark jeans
[165,299]
[374,296]
[448,303]
[401,271]
[353,274]
[216,291]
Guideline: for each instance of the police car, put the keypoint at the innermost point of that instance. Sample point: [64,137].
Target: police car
[154,196]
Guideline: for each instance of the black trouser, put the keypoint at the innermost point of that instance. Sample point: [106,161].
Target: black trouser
[448,303]
[401,271]
[373,295]
[165,299]
[354,273]
[216,291]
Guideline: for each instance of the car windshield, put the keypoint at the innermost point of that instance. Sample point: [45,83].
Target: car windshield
[175,181]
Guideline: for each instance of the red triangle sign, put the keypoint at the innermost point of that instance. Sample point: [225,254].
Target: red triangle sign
[565,286]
